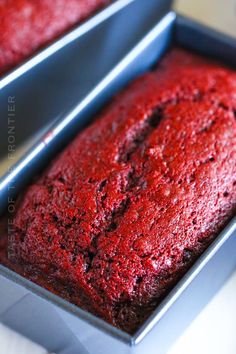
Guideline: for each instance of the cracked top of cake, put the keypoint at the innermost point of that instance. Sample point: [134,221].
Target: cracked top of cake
[127,207]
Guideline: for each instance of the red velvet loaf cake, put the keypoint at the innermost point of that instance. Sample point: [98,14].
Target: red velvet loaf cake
[124,211]
[27,25]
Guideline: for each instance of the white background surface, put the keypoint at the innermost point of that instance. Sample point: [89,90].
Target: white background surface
[213,331]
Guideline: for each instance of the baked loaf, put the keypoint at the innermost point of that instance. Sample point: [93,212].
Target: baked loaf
[27,25]
[127,207]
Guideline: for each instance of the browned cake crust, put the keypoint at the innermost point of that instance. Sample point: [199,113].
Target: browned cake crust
[121,214]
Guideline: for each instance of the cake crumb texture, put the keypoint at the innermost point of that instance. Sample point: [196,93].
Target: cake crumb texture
[129,205]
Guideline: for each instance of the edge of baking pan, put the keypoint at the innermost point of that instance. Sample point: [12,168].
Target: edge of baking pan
[65,305]
[198,265]
[184,282]
[194,27]
[63,40]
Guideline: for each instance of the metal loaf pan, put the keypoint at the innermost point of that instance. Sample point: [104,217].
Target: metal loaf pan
[65,328]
